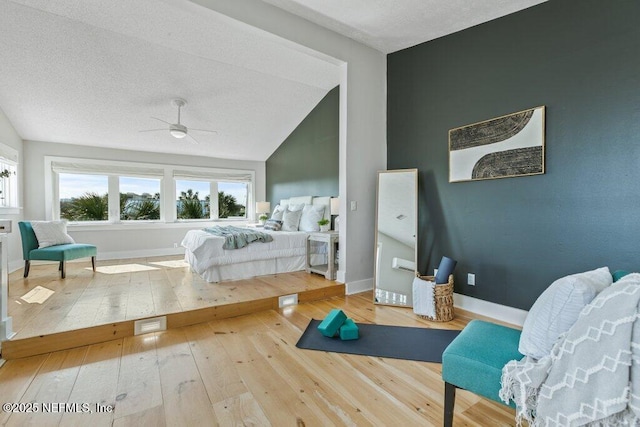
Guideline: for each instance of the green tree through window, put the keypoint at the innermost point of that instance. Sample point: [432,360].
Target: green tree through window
[190,206]
[87,207]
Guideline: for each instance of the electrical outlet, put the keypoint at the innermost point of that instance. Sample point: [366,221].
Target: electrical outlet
[471,279]
[175,245]
[354,205]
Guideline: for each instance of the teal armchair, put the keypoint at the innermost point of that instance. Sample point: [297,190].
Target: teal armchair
[60,253]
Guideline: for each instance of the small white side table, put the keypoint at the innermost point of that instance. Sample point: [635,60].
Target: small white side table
[328,270]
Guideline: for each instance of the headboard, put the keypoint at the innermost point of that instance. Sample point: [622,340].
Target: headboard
[310,200]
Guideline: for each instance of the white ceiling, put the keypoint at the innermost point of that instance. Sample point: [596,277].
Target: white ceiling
[94,72]
[391,25]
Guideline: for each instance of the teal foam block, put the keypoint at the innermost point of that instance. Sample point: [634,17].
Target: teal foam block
[349,330]
[331,324]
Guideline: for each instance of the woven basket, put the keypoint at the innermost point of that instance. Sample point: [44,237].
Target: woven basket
[443,296]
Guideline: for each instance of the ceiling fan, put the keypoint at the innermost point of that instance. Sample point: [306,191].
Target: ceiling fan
[178,130]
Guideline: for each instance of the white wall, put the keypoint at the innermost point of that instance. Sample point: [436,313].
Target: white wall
[127,240]
[362,123]
[10,137]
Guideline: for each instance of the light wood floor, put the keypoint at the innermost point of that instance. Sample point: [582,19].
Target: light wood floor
[243,371]
[132,289]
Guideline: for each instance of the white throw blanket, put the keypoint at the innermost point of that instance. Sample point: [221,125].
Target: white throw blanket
[423,298]
[592,376]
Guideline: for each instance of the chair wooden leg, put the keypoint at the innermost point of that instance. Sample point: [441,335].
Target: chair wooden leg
[62,272]
[27,265]
[60,266]
[449,403]
[93,263]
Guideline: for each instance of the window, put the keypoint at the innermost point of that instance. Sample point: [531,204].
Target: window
[8,184]
[84,197]
[86,191]
[139,199]
[193,199]
[8,179]
[195,187]
[92,191]
[233,198]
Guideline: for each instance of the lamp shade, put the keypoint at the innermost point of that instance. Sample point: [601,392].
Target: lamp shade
[335,206]
[263,207]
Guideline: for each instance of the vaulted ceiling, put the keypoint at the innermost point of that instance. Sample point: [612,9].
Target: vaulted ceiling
[391,25]
[95,72]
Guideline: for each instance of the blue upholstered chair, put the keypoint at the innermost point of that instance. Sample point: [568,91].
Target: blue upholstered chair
[60,253]
[474,360]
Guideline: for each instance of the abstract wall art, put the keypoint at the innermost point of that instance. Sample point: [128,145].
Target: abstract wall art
[507,146]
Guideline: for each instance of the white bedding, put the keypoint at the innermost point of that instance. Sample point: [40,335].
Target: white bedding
[285,253]
[207,248]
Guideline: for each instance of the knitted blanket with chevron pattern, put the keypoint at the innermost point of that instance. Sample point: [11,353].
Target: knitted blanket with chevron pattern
[592,376]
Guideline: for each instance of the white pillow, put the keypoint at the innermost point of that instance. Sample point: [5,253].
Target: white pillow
[278,211]
[557,309]
[51,233]
[310,216]
[291,219]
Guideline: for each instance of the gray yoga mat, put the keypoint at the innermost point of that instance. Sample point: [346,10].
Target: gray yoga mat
[396,342]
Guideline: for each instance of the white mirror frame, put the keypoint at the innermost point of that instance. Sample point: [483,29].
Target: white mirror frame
[395,252]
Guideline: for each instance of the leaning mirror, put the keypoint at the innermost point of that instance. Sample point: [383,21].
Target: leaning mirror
[396,229]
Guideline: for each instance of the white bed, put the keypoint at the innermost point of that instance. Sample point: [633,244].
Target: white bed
[286,253]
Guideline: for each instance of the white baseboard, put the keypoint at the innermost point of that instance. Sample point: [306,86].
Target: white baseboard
[15,265]
[19,264]
[140,253]
[359,286]
[340,276]
[514,316]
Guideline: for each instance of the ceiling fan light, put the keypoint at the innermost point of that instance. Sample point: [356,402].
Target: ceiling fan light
[177,130]
[177,133]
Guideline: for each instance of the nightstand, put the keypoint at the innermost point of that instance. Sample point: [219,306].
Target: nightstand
[328,270]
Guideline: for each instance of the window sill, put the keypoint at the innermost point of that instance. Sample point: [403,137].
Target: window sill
[152,225]
[9,210]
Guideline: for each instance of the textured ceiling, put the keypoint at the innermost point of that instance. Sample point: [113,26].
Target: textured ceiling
[95,72]
[391,25]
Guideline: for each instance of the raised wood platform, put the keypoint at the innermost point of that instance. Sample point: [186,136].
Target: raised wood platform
[88,308]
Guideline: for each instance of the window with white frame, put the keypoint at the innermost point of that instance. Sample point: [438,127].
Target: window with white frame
[233,199]
[8,177]
[194,190]
[193,199]
[8,184]
[94,191]
[83,197]
[139,198]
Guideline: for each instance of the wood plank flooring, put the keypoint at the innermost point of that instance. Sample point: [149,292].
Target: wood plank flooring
[242,371]
[106,303]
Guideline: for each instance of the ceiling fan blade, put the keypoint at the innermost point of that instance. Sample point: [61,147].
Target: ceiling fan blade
[193,140]
[163,121]
[153,130]
[205,130]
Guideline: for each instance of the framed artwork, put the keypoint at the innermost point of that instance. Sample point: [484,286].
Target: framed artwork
[507,146]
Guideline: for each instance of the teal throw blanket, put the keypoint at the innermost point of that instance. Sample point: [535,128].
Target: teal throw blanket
[237,237]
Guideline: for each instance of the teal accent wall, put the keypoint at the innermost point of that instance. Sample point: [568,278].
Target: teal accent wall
[580,59]
[306,163]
